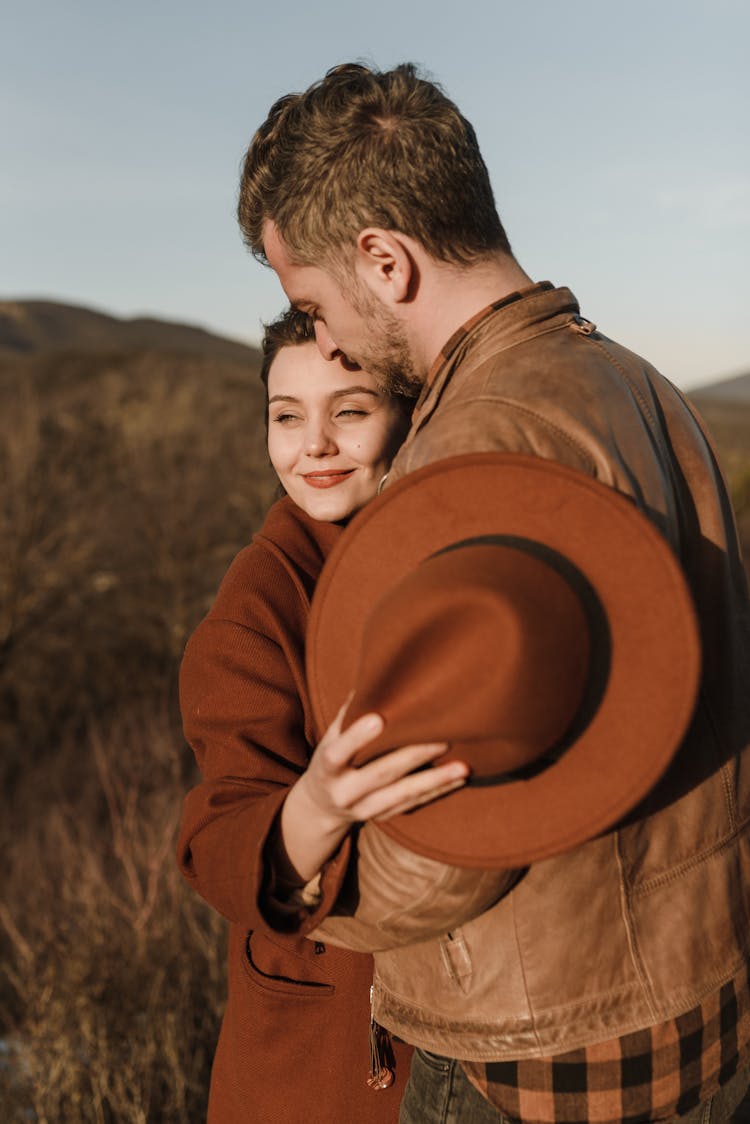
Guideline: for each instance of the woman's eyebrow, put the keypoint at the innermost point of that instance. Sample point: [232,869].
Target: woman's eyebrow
[355,390]
[282,398]
[334,394]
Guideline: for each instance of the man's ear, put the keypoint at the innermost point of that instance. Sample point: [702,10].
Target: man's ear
[385,263]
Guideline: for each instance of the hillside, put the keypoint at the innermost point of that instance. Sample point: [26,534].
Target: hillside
[725,408]
[735,389]
[33,327]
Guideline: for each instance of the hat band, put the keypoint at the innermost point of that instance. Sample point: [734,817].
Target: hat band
[600,657]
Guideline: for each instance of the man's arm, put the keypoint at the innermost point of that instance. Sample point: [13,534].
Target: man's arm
[393,897]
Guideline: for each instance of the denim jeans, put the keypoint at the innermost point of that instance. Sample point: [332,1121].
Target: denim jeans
[438,1092]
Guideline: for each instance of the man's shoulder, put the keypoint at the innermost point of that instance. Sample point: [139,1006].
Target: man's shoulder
[559,394]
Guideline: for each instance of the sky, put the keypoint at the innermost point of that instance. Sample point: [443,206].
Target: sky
[616,135]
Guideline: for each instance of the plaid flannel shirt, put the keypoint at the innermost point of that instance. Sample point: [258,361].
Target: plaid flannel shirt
[652,1074]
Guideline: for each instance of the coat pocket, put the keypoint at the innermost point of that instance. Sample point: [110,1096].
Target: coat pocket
[293,970]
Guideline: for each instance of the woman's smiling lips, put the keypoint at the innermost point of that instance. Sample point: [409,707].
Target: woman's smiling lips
[327,477]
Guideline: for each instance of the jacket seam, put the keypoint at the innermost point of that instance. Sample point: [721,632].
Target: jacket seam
[728,793]
[645,887]
[532,1017]
[387,990]
[633,386]
[574,1010]
[631,935]
[729,799]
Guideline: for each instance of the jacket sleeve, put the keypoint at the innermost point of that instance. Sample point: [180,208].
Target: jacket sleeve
[240,694]
[392,897]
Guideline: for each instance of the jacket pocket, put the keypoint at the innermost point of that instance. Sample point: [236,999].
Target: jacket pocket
[291,971]
[457,959]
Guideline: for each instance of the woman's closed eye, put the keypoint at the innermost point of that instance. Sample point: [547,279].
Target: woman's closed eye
[352,412]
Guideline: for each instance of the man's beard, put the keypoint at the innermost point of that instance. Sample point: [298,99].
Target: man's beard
[385,350]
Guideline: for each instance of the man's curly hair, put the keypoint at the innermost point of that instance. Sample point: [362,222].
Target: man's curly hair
[367,148]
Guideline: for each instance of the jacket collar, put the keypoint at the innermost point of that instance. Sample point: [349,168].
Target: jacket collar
[458,337]
[507,321]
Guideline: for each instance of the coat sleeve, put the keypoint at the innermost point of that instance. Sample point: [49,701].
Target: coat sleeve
[241,694]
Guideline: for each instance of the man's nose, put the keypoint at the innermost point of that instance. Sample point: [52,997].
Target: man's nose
[327,346]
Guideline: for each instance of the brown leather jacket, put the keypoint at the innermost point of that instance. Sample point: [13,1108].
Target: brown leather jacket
[640,924]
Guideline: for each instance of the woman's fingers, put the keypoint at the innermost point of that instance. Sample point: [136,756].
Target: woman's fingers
[397,763]
[392,783]
[338,747]
[412,791]
[414,802]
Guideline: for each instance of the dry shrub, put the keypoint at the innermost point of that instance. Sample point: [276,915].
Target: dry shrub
[113,971]
[129,482]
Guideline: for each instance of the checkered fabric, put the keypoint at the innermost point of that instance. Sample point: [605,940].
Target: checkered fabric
[652,1074]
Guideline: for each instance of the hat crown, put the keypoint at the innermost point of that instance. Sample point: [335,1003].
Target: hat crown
[482,645]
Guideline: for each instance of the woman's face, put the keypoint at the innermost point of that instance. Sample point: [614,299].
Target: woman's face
[331,432]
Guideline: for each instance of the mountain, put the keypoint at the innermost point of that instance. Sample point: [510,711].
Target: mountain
[736,389]
[36,327]
[725,408]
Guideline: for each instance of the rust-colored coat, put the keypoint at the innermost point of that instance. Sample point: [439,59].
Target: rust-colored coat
[294,1043]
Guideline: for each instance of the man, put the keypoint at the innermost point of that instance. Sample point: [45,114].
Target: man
[609,983]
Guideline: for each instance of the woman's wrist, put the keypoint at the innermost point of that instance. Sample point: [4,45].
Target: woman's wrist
[306,837]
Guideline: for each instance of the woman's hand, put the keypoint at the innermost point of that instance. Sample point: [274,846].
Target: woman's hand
[332,794]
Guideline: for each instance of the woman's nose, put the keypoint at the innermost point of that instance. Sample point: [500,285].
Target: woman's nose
[319,441]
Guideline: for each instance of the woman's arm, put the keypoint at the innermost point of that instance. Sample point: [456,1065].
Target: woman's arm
[269,813]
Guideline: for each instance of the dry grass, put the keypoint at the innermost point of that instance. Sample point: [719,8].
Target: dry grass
[129,484]
[113,972]
[130,481]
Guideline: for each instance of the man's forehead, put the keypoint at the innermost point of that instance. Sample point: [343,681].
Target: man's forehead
[281,258]
[273,245]
[282,261]
[292,277]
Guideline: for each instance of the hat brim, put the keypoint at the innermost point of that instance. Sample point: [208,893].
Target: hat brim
[654,672]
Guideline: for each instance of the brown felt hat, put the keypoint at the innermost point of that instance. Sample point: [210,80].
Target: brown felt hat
[532,618]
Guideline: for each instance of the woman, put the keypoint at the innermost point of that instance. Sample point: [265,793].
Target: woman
[271,813]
